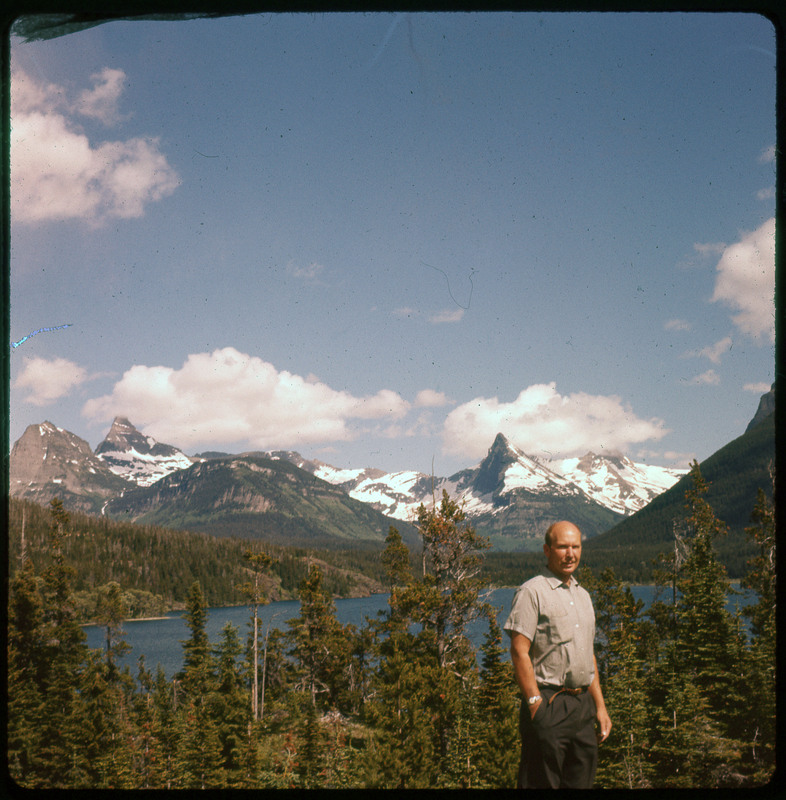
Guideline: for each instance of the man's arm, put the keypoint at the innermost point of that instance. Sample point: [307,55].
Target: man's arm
[604,721]
[523,669]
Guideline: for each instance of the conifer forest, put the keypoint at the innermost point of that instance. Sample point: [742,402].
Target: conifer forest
[406,700]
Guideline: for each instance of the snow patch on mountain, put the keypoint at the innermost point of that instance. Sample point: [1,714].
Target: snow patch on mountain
[137,458]
[615,481]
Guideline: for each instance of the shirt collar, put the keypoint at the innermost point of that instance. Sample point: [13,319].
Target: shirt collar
[554,581]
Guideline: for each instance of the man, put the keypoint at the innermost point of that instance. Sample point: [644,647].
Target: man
[552,632]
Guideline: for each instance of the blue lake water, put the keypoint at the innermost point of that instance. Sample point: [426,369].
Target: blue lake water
[160,640]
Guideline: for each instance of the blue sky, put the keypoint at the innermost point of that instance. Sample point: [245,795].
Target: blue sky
[380,239]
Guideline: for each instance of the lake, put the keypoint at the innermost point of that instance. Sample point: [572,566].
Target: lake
[160,640]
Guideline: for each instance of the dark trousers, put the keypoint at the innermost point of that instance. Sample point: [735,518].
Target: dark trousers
[559,749]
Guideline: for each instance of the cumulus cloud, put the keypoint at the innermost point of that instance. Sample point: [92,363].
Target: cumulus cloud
[102,101]
[757,388]
[229,397]
[745,281]
[428,398]
[540,420]
[708,378]
[713,352]
[767,155]
[48,380]
[58,173]
[676,325]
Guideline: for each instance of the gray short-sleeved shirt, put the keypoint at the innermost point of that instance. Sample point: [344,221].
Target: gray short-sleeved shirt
[559,620]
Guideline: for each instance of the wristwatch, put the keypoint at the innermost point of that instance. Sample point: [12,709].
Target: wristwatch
[534,699]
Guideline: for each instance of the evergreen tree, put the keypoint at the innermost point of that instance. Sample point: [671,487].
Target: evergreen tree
[319,645]
[708,645]
[258,563]
[111,610]
[26,675]
[197,674]
[198,759]
[229,707]
[621,649]
[423,704]
[761,578]
[498,744]
[698,684]
[61,763]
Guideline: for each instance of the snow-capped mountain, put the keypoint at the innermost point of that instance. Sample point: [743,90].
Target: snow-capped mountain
[615,481]
[48,461]
[138,458]
[509,496]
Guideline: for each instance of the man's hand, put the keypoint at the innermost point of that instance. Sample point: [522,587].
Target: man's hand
[604,725]
[533,709]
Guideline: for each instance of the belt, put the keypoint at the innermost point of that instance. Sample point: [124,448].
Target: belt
[577,690]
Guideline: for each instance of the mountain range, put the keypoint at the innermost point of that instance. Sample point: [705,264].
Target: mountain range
[282,496]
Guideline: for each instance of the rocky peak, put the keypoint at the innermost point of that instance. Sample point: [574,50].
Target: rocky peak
[138,458]
[766,407]
[48,461]
[491,471]
[123,437]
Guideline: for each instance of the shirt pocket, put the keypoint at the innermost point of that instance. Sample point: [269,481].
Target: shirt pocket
[559,624]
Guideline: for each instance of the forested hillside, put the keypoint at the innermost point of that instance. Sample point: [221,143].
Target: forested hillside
[157,565]
[405,702]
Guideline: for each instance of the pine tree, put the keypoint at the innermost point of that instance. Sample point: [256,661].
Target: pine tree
[111,610]
[699,681]
[498,744]
[198,758]
[761,578]
[621,648]
[26,675]
[228,706]
[422,708]
[197,674]
[258,563]
[62,764]
[320,646]
[708,641]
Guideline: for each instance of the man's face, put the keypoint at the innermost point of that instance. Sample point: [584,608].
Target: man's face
[565,551]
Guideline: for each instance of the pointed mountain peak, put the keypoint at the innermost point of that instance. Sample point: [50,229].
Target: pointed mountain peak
[491,471]
[136,457]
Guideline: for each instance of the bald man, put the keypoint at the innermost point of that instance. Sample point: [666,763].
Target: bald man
[552,633]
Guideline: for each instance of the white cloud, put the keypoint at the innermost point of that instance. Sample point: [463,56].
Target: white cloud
[676,325]
[428,398]
[228,397]
[101,102]
[745,281]
[713,352]
[540,420]
[768,193]
[757,388]
[708,378]
[767,155]
[49,379]
[309,274]
[57,173]
[709,248]
[451,315]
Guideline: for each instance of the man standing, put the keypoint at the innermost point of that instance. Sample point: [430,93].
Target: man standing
[552,632]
